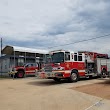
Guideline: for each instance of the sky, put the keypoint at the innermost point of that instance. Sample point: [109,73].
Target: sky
[51,23]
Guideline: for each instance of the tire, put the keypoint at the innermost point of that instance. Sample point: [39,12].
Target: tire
[74,77]
[20,74]
[90,77]
[103,73]
[57,79]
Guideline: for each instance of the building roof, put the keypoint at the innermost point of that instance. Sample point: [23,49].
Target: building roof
[9,50]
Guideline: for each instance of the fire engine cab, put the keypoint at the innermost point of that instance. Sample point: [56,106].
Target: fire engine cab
[61,64]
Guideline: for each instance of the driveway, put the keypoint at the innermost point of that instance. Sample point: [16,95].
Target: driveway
[43,94]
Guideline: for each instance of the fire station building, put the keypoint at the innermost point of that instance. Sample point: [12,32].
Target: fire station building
[18,56]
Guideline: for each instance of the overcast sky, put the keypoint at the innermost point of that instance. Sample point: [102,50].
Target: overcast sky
[49,23]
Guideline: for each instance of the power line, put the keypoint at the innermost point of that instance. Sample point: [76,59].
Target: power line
[81,41]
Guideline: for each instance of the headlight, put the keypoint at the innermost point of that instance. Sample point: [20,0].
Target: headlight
[58,68]
[62,68]
[42,69]
[54,68]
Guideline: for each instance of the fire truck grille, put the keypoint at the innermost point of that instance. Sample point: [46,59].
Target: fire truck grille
[48,68]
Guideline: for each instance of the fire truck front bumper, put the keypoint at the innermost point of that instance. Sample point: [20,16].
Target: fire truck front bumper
[47,75]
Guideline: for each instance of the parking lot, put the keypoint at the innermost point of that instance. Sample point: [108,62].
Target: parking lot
[43,94]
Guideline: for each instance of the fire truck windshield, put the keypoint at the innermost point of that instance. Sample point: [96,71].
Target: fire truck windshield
[58,57]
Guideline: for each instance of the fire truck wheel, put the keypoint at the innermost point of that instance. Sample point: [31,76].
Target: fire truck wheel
[57,79]
[103,73]
[90,77]
[20,74]
[74,77]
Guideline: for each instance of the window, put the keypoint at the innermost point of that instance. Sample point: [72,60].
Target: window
[20,61]
[5,64]
[80,57]
[67,56]
[58,57]
[75,56]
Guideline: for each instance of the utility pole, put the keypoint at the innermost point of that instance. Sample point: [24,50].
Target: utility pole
[1,46]
[1,56]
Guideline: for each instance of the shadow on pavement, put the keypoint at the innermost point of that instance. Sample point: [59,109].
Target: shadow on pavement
[105,82]
[51,82]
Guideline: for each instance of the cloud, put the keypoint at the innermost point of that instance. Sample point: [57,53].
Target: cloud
[50,23]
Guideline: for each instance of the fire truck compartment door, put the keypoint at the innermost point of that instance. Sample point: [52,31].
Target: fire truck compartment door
[108,65]
[101,62]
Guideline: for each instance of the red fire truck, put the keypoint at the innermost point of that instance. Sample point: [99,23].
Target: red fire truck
[27,69]
[61,64]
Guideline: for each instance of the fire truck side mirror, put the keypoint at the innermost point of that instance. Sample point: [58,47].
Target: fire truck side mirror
[26,65]
[86,63]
